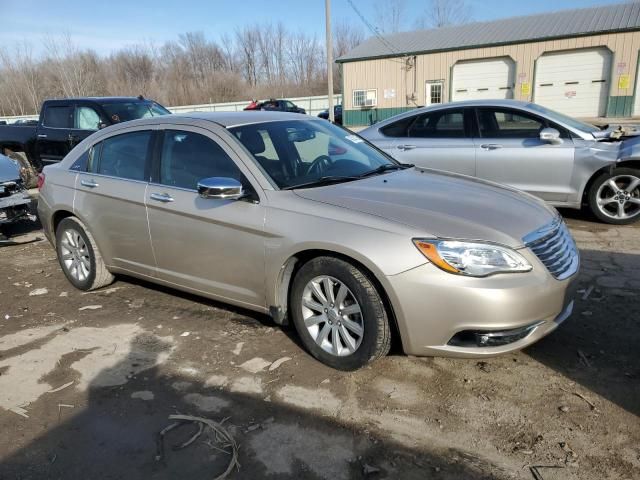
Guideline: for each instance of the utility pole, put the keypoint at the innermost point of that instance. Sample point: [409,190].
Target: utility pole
[327,8]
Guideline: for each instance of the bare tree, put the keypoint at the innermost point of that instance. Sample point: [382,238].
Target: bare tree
[390,15]
[442,13]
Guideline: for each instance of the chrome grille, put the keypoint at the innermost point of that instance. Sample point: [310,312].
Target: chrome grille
[555,248]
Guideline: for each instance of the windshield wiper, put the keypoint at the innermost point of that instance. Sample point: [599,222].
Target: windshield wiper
[386,168]
[326,180]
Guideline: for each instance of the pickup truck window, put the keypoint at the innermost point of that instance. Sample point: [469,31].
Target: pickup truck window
[125,156]
[86,118]
[57,116]
[125,111]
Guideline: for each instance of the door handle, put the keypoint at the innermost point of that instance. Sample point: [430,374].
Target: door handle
[42,135]
[161,197]
[406,147]
[89,183]
[490,146]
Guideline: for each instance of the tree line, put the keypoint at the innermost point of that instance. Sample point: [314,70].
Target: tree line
[256,61]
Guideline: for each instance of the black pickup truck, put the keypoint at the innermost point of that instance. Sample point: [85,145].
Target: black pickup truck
[65,123]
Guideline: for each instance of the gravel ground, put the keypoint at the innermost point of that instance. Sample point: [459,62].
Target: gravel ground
[87,381]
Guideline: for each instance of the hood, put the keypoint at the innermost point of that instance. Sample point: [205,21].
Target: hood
[441,204]
[9,170]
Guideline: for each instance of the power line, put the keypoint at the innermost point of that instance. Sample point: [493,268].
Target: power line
[376,33]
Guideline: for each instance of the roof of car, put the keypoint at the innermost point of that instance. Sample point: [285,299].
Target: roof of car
[232,119]
[102,99]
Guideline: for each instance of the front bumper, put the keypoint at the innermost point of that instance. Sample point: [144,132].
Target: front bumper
[14,207]
[433,308]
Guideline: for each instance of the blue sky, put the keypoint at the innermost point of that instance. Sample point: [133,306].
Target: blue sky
[111,24]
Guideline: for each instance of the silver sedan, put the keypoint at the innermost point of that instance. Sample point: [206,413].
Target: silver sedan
[300,219]
[566,162]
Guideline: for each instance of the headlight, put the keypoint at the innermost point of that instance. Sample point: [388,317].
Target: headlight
[474,259]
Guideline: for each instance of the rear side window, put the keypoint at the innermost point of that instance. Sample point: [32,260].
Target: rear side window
[189,157]
[398,129]
[438,125]
[83,163]
[125,156]
[57,117]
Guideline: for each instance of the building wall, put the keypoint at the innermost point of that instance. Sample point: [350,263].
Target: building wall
[392,73]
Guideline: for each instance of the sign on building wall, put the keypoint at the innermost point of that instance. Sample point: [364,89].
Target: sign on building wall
[525,89]
[623,81]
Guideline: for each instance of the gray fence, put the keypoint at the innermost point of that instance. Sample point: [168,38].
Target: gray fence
[313,106]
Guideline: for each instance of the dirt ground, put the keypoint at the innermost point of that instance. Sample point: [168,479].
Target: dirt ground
[87,381]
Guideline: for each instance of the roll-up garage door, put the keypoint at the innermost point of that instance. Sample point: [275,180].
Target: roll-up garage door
[575,82]
[491,78]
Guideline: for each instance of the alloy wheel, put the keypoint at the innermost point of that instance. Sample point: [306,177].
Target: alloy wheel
[75,255]
[619,197]
[332,316]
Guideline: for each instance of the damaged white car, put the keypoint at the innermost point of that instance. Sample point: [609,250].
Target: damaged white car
[15,202]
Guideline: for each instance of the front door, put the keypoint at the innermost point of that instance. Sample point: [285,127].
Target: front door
[440,139]
[214,246]
[509,151]
[110,195]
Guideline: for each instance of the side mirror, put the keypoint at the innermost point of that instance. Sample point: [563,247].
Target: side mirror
[221,188]
[550,135]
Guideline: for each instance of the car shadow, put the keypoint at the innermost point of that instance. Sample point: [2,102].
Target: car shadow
[597,347]
[115,434]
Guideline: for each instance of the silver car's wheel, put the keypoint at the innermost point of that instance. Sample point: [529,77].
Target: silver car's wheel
[332,316]
[75,255]
[618,198]
[79,257]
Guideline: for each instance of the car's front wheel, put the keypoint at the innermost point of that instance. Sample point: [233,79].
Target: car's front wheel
[339,314]
[79,257]
[614,197]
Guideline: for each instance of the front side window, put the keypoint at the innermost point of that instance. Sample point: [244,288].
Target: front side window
[57,116]
[438,125]
[189,157]
[124,156]
[293,153]
[508,124]
[86,118]
[125,111]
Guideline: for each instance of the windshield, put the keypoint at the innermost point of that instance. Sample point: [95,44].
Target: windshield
[303,152]
[125,111]
[561,117]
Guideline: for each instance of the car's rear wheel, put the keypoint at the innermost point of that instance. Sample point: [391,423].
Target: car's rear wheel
[339,314]
[614,197]
[79,257]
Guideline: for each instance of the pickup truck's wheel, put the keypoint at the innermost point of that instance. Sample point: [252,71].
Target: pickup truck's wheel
[614,197]
[339,314]
[79,256]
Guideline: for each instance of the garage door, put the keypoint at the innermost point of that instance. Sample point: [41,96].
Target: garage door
[574,82]
[483,79]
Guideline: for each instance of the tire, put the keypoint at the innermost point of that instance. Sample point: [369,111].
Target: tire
[361,299]
[605,201]
[90,272]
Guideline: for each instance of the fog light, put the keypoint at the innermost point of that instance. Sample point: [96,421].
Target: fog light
[484,338]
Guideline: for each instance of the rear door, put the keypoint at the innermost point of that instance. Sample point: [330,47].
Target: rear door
[509,151]
[110,198]
[214,246]
[52,142]
[440,139]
